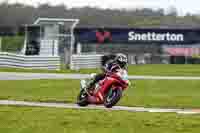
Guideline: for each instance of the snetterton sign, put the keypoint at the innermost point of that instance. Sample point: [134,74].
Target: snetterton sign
[152,36]
[137,35]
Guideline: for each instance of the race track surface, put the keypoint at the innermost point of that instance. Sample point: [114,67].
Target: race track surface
[30,76]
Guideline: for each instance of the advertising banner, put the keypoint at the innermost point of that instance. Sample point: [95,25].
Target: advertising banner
[182,51]
[137,35]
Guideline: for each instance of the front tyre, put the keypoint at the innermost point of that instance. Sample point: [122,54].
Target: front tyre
[113,97]
[82,98]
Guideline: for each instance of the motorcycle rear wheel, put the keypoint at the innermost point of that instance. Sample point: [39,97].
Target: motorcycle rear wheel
[112,98]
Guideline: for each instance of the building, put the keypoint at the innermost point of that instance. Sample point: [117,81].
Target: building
[142,45]
[46,35]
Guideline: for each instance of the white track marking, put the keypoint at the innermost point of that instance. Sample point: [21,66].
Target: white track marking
[94,107]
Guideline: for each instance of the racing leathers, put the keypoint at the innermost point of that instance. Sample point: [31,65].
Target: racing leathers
[110,66]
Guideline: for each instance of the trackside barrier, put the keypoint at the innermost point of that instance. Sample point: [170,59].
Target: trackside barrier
[29,62]
[81,61]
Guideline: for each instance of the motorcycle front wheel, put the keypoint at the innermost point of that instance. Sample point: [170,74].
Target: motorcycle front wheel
[112,97]
[82,98]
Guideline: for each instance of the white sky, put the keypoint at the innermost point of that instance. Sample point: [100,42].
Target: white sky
[183,6]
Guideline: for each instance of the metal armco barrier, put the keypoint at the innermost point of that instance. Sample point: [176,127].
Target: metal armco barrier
[81,61]
[30,62]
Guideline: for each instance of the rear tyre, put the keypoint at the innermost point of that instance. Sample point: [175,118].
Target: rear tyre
[112,98]
[82,98]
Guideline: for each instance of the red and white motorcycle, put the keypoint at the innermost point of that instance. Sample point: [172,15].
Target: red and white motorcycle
[113,85]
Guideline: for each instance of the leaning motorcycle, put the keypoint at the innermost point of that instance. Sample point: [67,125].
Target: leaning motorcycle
[113,83]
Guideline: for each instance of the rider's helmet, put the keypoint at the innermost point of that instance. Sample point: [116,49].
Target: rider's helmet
[122,60]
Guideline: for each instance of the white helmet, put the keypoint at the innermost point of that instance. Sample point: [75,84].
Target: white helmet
[121,59]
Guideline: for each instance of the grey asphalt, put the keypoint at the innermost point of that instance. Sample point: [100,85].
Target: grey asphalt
[30,76]
[94,107]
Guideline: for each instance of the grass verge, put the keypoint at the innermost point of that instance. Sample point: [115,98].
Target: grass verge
[51,120]
[148,93]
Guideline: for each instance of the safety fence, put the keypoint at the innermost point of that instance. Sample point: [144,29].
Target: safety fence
[30,62]
[81,61]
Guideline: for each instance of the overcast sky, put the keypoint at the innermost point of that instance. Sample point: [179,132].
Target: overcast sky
[183,6]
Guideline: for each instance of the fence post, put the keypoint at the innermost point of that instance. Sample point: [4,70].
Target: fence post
[0,44]
[78,48]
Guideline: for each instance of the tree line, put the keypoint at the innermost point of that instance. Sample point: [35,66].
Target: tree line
[16,15]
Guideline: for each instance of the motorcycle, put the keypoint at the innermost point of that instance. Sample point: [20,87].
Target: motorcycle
[113,84]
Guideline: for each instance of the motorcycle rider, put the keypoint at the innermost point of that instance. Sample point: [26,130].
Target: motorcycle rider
[111,65]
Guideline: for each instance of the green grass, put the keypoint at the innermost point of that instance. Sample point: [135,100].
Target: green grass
[12,44]
[162,69]
[51,120]
[166,70]
[148,93]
